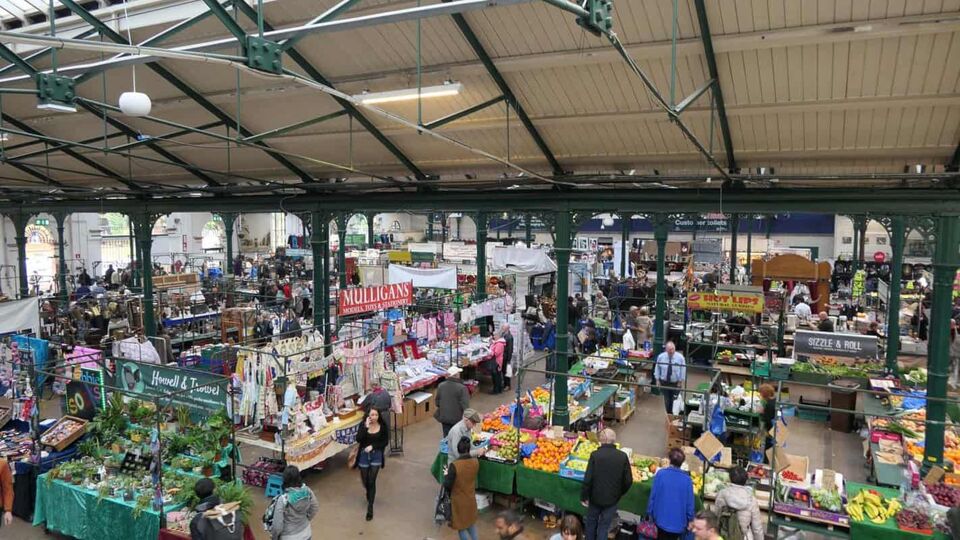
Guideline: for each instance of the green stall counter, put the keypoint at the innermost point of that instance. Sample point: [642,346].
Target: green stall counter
[74,511]
[493,476]
[887,530]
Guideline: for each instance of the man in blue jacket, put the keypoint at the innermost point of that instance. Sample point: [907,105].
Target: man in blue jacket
[608,478]
[671,499]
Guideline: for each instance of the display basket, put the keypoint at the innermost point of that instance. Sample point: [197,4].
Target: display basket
[573,474]
[69,439]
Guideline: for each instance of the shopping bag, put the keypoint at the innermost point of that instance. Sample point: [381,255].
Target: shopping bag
[443,511]
[647,529]
[678,405]
[718,422]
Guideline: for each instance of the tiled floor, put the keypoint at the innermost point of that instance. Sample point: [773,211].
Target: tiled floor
[406,491]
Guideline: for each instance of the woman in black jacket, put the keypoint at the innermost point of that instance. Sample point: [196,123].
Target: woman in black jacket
[373,437]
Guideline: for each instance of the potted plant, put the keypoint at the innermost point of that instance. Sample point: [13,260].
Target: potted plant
[207,459]
[235,491]
[183,418]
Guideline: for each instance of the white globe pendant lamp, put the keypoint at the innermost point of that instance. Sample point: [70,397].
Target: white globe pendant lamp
[608,221]
[135,103]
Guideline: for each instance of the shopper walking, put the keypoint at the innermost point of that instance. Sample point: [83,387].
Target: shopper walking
[452,399]
[671,499]
[570,529]
[291,326]
[460,482]
[739,498]
[669,372]
[294,510]
[608,478]
[462,429]
[372,438]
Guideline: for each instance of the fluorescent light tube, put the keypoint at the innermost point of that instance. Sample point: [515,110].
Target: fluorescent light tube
[409,94]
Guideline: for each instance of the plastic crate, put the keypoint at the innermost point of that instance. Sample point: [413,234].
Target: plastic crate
[567,472]
[780,372]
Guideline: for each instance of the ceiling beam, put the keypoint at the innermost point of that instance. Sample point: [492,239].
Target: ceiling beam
[453,117]
[312,72]
[501,83]
[954,164]
[43,53]
[185,88]
[327,15]
[711,58]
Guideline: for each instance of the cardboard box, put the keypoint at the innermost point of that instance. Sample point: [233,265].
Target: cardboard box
[676,429]
[784,461]
[673,442]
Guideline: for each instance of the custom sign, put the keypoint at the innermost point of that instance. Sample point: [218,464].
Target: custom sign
[362,300]
[808,343]
[194,389]
[726,301]
[709,222]
[86,394]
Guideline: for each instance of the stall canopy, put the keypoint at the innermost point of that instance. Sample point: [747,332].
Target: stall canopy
[523,262]
[20,315]
[434,278]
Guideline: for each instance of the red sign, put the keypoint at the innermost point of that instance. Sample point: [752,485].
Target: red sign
[879,256]
[354,301]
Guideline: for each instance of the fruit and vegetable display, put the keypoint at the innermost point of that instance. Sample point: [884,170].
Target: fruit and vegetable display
[914,519]
[826,499]
[548,455]
[870,504]
[584,448]
[835,369]
[493,424]
[697,482]
[917,376]
[644,468]
[944,495]
[714,481]
[578,465]
[791,476]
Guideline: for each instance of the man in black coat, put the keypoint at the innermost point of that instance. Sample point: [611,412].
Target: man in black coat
[608,478]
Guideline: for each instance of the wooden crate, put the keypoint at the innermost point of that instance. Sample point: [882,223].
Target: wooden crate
[69,439]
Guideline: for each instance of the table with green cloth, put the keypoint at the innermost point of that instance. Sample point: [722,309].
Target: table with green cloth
[565,492]
[75,511]
[888,529]
[492,476]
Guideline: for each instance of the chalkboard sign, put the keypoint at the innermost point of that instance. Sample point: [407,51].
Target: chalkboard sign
[807,343]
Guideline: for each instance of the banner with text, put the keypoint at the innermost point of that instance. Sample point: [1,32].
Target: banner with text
[197,390]
[745,302]
[363,300]
[808,343]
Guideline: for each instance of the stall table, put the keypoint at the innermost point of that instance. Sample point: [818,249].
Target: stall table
[565,492]
[887,529]
[884,474]
[75,511]
[492,476]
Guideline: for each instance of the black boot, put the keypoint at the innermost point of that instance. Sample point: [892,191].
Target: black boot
[369,511]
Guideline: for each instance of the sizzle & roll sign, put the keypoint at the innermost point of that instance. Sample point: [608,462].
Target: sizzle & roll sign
[363,300]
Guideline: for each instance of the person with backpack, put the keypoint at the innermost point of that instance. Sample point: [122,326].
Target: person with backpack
[745,520]
[213,521]
[290,512]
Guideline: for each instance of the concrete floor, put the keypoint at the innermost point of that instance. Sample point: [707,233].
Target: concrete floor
[406,491]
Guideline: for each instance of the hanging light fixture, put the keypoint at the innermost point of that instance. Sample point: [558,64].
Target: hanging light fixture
[608,221]
[133,103]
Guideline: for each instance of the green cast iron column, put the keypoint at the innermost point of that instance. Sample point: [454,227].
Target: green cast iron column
[624,233]
[134,252]
[734,232]
[938,352]
[863,241]
[661,224]
[897,237]
[321,280]
[228,218]
[749,275]
[144,234]
[856,243]
[528,229]
[482,223]
[342,251]
[561,248]
[316,247]
[370,241]
[20,237]
[430,227]
[61,218]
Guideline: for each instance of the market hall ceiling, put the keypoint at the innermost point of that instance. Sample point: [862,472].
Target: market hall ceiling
[763,94]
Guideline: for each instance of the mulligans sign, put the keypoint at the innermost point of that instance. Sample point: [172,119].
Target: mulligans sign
[196,390]
[363,300]
[830,344]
